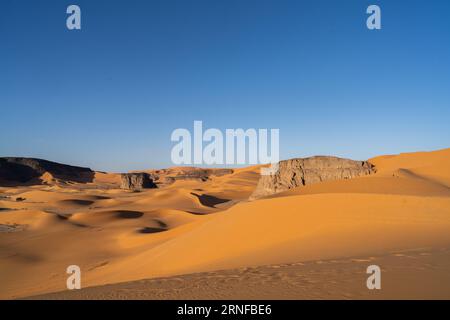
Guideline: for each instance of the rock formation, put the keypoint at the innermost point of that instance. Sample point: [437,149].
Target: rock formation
[29,171]
[136,181]
[304,171]
[169,176]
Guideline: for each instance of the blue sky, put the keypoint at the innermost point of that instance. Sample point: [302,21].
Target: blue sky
[109,95]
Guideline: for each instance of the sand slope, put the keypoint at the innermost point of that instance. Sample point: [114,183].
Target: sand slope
[415,274]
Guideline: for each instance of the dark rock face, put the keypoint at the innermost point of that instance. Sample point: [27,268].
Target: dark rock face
[303,171]
[201,174]
[136,181]
[27,170]
[169,176]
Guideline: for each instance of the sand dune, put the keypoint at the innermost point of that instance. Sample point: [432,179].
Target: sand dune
[189,227]
[416,274]
[429,165]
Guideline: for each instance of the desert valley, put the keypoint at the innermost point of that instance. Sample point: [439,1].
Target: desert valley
[308,232]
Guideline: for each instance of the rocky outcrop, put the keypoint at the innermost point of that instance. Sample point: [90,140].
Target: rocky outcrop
[168,176]
[14,171]
[136,181]
[304,171]
[200,174]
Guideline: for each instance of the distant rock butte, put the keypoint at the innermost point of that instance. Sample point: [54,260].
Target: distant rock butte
[304,171]
[15,170]
[136,181]
[163,177]
[168,176]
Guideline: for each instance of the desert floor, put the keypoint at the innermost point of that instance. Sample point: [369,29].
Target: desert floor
[196,239]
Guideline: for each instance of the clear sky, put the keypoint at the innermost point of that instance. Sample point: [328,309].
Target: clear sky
[108,96]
